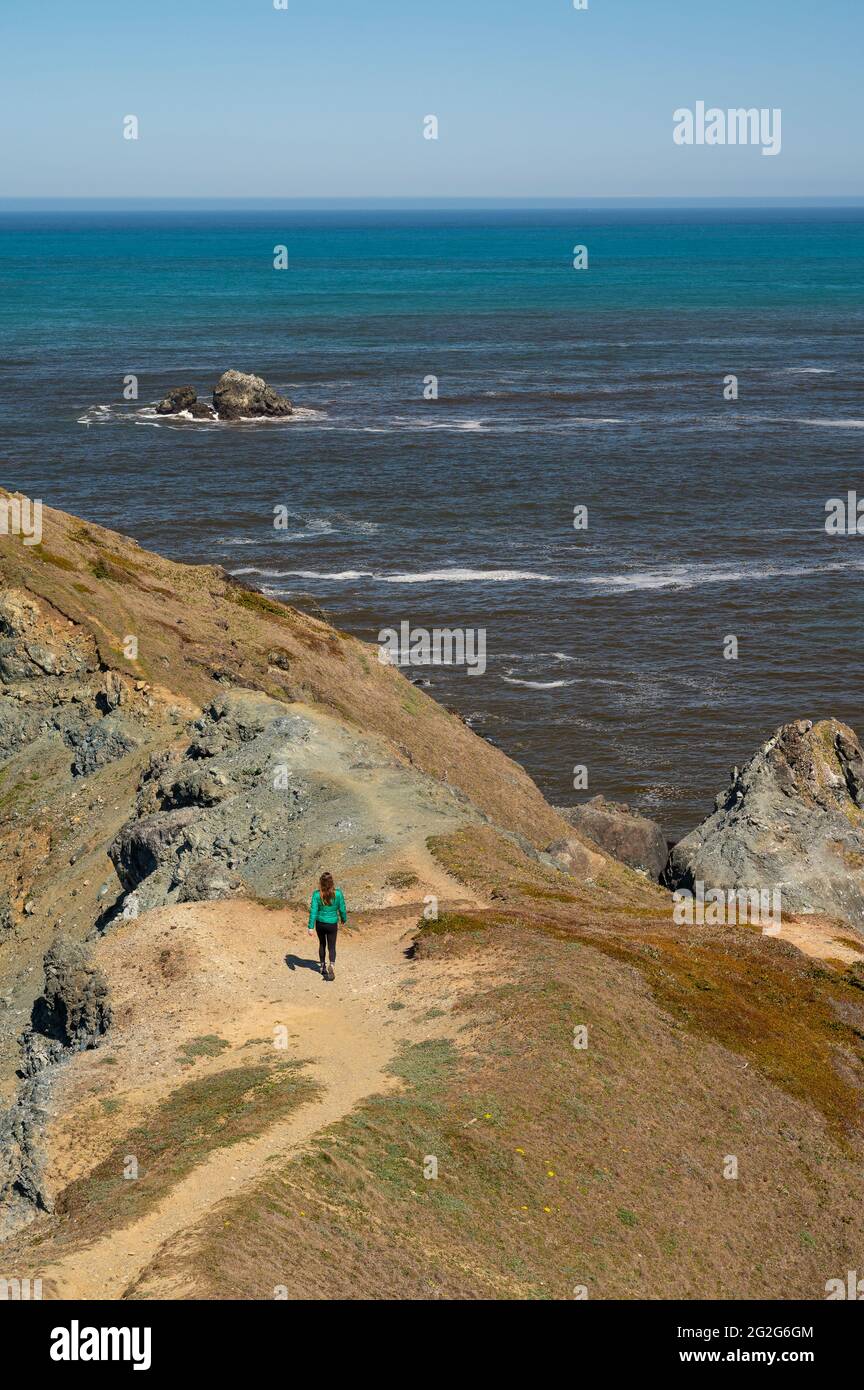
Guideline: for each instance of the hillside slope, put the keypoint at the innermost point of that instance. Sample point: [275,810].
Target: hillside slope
[202,1116]
[228,703]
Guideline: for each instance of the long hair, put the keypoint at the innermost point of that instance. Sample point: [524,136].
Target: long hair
[328,888]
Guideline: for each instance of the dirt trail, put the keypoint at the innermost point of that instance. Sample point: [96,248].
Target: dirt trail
[345,1028]
[821,939]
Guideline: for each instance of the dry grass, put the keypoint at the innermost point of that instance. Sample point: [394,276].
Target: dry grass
[800,1022]
[206,1113]
[556,1166]
[797,1021]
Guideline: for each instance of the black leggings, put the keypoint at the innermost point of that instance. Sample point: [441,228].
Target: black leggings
[327,937]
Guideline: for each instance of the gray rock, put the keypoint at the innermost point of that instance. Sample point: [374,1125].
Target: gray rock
[179,398]
[44,659]
[23,1189]
[6,919]
[72,1014]
[101,743]
[209,881]
[623,833]
[73,1011]
[18,614]
[571,856]
[218,811]
[239,395]
[17,663]
[793,819]
[17,726]
[113,694]
[206,747]
[200,410]
[144,846]
[193,785]
[241,715]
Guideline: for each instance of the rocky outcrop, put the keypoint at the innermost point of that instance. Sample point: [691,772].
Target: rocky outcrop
[71,1015]
[624,834]
[193,785]
[793,819]
[51,685]
[73,1011]
[31,648]
[238,395]
[209,882]
[218,815]
[102,742]
[23,1191]
[180,398]
[574,857]
[146,846]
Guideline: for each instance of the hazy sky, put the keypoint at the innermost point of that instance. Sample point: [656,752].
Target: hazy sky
[327,97]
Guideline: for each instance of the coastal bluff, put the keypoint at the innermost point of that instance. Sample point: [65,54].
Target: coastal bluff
[510,997]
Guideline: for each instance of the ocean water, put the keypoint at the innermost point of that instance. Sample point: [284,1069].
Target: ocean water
[557,388]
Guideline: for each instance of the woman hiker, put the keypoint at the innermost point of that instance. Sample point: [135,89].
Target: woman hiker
[326,911]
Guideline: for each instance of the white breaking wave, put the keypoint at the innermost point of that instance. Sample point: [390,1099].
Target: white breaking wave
[147,415]
[689,576]
[506,426]
[465,576]
[536,685]
[685,576]
[451,576]
[313,527]
[834,424]
[325,525]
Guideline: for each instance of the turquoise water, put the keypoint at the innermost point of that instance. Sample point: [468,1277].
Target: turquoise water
[557,388]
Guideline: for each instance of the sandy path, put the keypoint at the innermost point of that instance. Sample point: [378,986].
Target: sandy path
[821,939]
[345,1027]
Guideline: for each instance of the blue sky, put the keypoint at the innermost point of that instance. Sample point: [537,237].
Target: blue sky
[327,98]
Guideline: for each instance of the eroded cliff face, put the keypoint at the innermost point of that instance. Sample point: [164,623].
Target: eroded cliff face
[169,737]
[71,1015]
[73,735]
[191,724]
[792,819]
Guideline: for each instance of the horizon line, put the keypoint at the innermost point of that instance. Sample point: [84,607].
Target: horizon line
[502,201]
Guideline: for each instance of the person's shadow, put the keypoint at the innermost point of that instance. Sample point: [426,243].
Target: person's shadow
[293,961]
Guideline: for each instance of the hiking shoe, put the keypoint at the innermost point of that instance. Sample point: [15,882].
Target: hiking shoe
[323,970]
[332,975]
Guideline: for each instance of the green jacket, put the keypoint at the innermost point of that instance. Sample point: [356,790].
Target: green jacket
[327,914]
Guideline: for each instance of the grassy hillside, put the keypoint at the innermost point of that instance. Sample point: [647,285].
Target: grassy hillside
[703,1138]
[560,1167]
